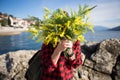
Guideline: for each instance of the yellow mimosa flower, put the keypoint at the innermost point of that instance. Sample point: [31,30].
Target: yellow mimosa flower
[78,20]
[81,38]
[62,34]
[33,30]
[55,40]
[60,24]
[67,24]
[69,38]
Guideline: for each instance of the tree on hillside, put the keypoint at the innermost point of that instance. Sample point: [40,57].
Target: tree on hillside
[11,16]
[38,21]
[4,22]
[0,13]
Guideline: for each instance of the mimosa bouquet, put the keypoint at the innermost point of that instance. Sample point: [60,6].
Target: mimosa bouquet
[60,24]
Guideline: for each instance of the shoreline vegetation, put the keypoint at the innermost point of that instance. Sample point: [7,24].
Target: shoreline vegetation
[6,31]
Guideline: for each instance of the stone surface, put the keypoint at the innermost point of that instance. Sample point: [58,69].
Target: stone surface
[105,57]
[116,70]
[13,64]
[102,62]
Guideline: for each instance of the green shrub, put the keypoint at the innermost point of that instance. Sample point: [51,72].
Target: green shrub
[4,22]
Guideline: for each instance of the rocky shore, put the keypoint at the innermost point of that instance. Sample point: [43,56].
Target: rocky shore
[5,31]
[101,61]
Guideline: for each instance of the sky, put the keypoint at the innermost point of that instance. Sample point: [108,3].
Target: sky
[107,12]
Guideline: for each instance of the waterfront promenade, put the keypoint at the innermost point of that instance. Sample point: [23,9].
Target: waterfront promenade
[4,31]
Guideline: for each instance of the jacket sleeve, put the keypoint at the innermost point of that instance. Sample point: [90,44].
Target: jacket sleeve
[47,63]
[77,51]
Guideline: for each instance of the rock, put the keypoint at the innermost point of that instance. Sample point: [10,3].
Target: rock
[89,48]
[103,63]
[90,74]
[105,57]
[89,63]
[13,64]
[116,70]
[83,57]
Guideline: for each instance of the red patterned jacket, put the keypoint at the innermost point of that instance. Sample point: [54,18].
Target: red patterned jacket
[64,68]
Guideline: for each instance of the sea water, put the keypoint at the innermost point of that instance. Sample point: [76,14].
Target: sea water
[22,42]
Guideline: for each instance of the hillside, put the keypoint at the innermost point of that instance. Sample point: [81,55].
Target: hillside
[116,28]
[100,28]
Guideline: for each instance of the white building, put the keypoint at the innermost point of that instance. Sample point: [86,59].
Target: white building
[18,22]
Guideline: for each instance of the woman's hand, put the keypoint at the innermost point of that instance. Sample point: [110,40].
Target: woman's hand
[64,45]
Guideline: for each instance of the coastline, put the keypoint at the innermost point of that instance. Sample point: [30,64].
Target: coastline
[6,31]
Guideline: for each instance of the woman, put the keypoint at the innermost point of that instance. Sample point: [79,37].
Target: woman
[55,65]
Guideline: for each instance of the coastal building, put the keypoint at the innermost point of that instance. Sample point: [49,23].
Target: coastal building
[11,21]
[18,22]
[21,23]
